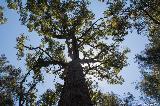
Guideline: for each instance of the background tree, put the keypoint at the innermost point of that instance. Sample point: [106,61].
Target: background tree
[144,16]
[14,86]
[149,60]
[7,82]
[148,12]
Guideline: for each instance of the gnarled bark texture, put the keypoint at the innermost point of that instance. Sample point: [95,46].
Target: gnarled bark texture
[75,91]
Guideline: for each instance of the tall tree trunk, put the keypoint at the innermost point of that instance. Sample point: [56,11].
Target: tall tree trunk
[75,91]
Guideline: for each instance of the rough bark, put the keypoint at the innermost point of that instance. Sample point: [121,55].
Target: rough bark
[75,91]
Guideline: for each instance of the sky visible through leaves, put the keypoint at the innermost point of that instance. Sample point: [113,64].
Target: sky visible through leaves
[131,74]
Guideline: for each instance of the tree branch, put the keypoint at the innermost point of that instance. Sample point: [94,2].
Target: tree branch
[32,87]
[84,34]
[47,63]
[151,17]
[23,80]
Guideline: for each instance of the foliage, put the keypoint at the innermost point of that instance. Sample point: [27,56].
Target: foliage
[2,18]
[150,85]
[105,99]
[50,97]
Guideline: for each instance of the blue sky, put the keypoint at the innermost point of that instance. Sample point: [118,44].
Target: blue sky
[135,42]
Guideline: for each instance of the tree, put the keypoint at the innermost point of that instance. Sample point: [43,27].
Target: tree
[73,44]
[8,78]
[149,58]
[145,18]
[14,85]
